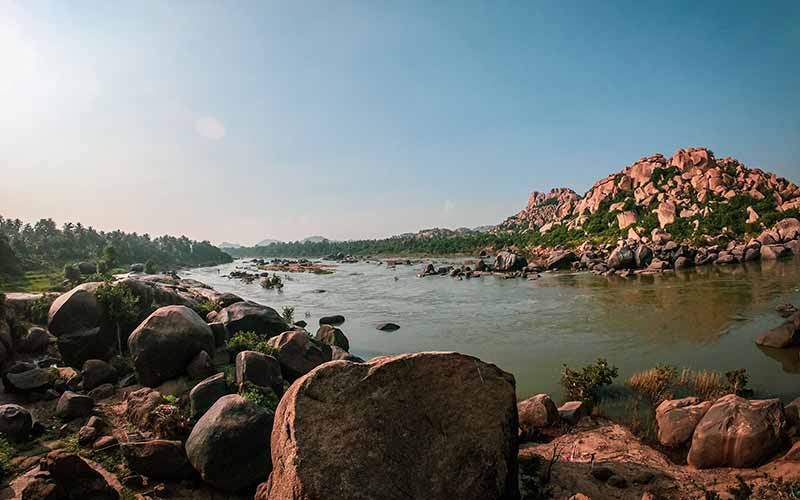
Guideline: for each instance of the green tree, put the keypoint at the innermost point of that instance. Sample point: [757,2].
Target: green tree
[119,307]
[150,267]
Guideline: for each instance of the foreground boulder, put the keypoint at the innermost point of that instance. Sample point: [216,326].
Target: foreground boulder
[251,317]
[230,445]
[205,394]
[678,418]
[736,432]
[397,428]
[164,344]
[298,353]
[72,405]
[259,369]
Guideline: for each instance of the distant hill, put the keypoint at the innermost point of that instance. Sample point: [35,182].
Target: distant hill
[315,239]
[226,244]
[266,242]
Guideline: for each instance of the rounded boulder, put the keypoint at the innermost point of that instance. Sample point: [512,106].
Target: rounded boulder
[397,428]
[166,342]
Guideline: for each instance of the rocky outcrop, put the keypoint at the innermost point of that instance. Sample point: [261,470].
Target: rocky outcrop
[252,317]
[374,414]
[230,445]
[736,432]
[678,418]
[164,344]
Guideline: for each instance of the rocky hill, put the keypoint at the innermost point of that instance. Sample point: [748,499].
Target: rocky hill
[691,195]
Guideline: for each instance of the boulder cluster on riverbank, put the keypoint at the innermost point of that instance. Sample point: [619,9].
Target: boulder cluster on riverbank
[200,393]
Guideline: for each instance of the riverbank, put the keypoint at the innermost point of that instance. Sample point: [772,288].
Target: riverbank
[153,418]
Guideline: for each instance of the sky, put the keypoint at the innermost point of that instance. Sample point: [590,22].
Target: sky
[238,121]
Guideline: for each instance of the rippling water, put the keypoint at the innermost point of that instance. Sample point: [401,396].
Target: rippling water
[706,318]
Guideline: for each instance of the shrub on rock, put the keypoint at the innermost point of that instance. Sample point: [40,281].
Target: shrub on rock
[230,445]
[397,428]
[164,344]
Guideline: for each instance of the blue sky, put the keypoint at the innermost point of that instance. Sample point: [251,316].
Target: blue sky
[238,121]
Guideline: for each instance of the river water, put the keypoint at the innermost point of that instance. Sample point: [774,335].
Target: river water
[705,318]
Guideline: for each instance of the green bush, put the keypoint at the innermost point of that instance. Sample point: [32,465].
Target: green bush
[7,452]
[288,314]
[271,282]
[662,175]
[264,398]
[249,341]
[150,267]
[72,273]
[119,306]
[40,308]
[585,384]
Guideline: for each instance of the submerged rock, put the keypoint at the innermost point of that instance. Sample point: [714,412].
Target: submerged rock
[374,414]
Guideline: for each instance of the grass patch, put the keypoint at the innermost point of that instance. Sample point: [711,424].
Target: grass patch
[32,281]
[7,452]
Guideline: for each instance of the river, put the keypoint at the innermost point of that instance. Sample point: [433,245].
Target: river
[704,318]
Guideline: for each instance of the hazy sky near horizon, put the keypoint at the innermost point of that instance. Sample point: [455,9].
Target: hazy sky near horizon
[238,121]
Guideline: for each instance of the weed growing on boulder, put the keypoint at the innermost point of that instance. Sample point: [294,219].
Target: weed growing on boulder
[265,398]
[249,341]
[119,306]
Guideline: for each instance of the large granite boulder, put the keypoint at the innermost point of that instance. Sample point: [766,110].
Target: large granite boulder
[251,317]
[97,372]
[73,405]
[166,342]
[678,418]
[298,353]
[396,428]
[74,311]
[230,445]
[736,432]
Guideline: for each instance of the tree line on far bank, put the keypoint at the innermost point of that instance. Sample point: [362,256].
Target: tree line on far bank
[45,246]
